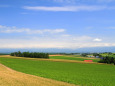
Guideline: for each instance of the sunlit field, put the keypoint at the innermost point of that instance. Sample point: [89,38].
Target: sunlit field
[74,57]
[75,73]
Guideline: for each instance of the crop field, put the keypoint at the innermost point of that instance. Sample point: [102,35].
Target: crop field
[9,77]
[74,57]
[106,54]
[74,73]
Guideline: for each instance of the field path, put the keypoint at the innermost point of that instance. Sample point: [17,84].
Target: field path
[9,77]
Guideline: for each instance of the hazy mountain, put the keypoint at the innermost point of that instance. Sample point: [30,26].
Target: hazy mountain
[56,50]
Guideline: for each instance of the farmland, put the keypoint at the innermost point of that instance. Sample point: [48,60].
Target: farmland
[74,73]
[9,77]
[74,57]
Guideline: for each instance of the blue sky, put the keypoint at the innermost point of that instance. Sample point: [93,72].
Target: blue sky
[57,23]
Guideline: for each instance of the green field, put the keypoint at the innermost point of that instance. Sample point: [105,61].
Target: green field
[76,57]
[76,73]
[106,54]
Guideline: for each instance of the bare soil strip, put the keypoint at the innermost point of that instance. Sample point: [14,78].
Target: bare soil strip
[9,77]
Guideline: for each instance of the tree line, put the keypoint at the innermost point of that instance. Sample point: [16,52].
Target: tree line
[108,60]
[30,54]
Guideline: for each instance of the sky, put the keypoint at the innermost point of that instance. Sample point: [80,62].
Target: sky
[57,23]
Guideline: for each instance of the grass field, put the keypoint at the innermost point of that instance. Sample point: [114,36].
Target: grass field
[75,73]
[9,77]
[106,54]
[74,57]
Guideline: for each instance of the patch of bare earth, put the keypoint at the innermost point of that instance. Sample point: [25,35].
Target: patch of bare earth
[9,77]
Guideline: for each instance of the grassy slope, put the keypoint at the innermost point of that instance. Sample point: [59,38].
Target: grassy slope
[76,73]
[9,77]
[73,58]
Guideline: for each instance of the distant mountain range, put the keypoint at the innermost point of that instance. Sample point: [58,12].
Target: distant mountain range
[63,50]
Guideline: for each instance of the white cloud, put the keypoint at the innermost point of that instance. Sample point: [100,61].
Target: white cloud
[97,40]
[58,40]
[64,1]
[24,13]
[4,6]
[106,1]
[5,29]
[65,35]
[89,28]
[83,1]
[110,27]
[82,38]
[50,43]
[71,1]
[66,8]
